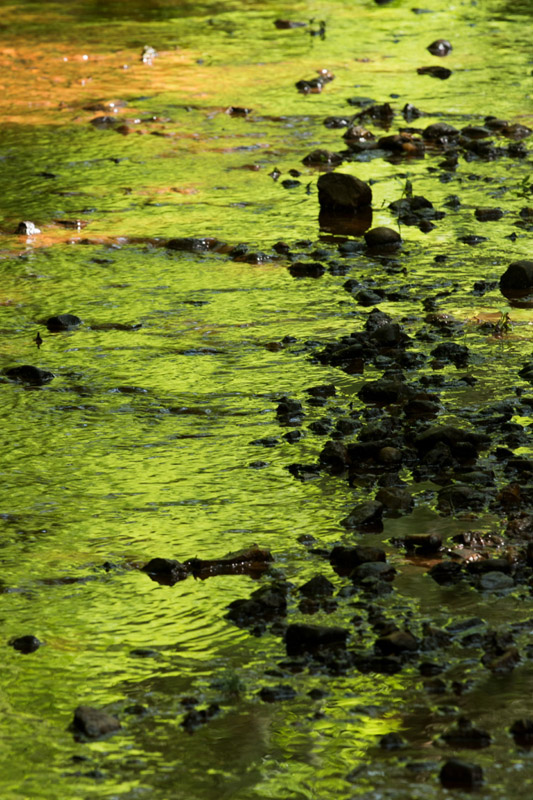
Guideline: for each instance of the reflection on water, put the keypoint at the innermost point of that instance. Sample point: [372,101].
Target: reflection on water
[142,445]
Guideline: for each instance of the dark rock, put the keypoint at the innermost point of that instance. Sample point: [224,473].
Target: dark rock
[25,644]
[495,582]
[33,376]
[264,605]
[440,131]
[27,228]
[307,269]
[397,501]
[472,239]
[300,638]
[440,47]
[63,322]
[453,437]
[322,391]
[191,244]
[392,741]
[518,277]
[345,559]
[373,569]
[386,391]
[488,214]
[334,456]
[197,717]
[341,192]
[266,441]
[275,694]
[319,586]
[366,297]
[451,352]
[460,496]
[446,572]
[289,411]
[410,112]
[166,571]
[396,643]
[365,515]
[287,24]
[457,774]
[435,72]
[423,542]
[322,158]
[402,143]
[93,723]
[522,731]
[463,734]
[383,237]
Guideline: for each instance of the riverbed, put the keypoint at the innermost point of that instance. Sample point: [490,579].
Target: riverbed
[124,128]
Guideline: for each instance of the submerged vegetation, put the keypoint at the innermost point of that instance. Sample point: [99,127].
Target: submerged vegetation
[267,517]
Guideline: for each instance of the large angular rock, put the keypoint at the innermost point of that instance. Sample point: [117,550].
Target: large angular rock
[338,191]
[518,277]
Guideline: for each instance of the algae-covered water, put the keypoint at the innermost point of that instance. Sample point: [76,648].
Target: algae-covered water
[145,442]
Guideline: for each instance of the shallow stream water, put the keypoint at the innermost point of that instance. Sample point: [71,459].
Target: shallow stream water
[143,445]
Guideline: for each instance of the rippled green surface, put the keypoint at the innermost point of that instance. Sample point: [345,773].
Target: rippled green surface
[141,446]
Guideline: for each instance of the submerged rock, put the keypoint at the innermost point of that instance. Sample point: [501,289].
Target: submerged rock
[94,723]
[62,322]
[25,644]
[166,571]
[300,638]
[456,774]
[383,237]
[464,734]
[275,694]
[33,376]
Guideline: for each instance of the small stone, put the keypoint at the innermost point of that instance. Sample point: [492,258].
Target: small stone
[435,72]
[456,774]
[62,322]
[397,642]
[25,644]
[322,158]
[364,515]
[488,214]
[166,571]
[446,572]
[383,237]
[33,376]
[464,734]
[93,723]
[274,694]
[319,586]
[392,741]
[27,228]
[440,47]
[301,638]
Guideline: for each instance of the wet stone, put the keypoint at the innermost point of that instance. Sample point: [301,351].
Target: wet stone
[488,214]
[517,277]
[392,741]
[456,774]
[522,732]
[33,376]
[435,72]
[373,569]
[62,322]
[396,643]
[94,723]
[464,734]
[440,47]
[460,496]
[319,586]
[383,237]
[307,269]
[25,644]
[495,582]
[275,694]
[166,571]
[341,192]
[366,515]
[447,572]
[301,638]
[345,559]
